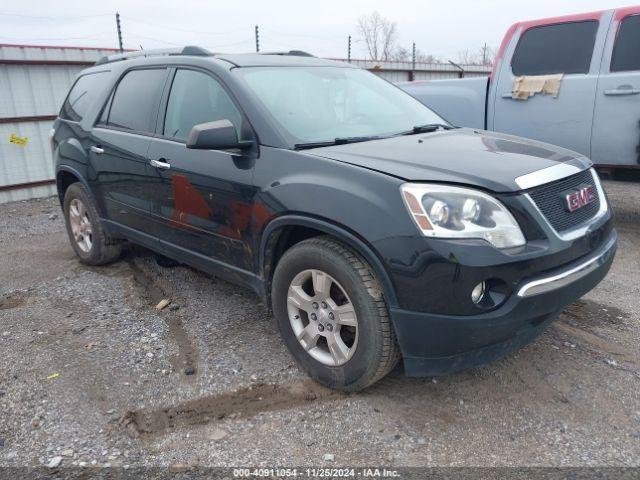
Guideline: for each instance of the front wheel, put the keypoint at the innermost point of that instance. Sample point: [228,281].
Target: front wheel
[332,315]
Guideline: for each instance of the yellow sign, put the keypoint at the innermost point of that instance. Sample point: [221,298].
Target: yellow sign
[22,141]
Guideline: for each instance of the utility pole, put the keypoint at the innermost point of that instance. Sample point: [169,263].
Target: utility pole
[349,50]
[413,62]
[119,32]
[257,39]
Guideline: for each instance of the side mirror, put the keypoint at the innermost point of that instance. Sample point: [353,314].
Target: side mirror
[218,135]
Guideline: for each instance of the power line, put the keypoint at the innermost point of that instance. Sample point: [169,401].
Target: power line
[28,39]
[40,17]
[155,39]
[164,27]
[304,35]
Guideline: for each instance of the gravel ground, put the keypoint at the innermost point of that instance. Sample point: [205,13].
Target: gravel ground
[92,374]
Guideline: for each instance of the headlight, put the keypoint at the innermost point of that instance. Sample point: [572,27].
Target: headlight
[454,212]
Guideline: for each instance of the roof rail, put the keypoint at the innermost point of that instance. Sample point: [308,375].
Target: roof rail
[188,50]
[293,53]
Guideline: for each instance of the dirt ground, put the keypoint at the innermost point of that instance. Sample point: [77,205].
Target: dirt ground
[91,374]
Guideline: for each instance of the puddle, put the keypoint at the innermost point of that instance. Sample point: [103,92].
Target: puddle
[245,402]
[586,321]
[589,313]
[187,358]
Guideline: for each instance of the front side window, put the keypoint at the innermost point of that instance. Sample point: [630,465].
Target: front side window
[82,94]
[626,56]
[559,48]
[320,104]
[196,98]
[135,101]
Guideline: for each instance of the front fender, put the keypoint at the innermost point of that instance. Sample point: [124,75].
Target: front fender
[270,237]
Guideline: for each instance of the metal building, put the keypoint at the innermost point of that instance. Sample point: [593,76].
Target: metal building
[33,83]
[407,71]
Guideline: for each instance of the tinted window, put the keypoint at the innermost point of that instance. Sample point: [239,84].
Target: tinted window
[136,100]
[626,55]
[82,94]
[197,98]
[561,48]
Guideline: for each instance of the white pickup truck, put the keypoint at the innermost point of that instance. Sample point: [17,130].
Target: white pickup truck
[572,81]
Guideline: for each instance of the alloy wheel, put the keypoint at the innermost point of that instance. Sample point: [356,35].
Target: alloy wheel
[322,317]
[80,225]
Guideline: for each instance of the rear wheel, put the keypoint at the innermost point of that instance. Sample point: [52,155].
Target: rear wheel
[332,315]
[88,238]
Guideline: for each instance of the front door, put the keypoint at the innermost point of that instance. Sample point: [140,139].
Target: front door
[562,48]
[204,198]
[616,126]
[119,147]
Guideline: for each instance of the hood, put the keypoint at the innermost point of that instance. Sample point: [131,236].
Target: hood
[488,160]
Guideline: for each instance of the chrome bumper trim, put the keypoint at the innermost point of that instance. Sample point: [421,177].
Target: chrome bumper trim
[554,282]
[551,174]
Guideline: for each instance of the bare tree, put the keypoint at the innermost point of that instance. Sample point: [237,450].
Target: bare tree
[379,35]
[422,57]
[481,56]
[467,57]
[489,54]
[402,54]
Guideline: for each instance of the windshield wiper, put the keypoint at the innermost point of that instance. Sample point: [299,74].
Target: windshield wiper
[336,141]
[428,128]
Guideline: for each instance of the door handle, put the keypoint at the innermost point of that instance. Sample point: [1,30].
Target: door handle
[623,90]
[160,164]
[96,149]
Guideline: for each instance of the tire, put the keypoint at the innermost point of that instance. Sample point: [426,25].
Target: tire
[372,346]
[79,206]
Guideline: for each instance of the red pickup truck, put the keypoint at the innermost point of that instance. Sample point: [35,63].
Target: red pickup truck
[572,81]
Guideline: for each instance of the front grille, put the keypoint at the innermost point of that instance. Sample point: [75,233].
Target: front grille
[549,199]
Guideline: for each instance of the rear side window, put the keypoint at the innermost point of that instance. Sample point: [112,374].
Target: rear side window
[626,54]
[135,101]
[197,98]
[82,94]
[560,48]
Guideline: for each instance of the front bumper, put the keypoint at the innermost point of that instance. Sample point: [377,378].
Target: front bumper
[434,344]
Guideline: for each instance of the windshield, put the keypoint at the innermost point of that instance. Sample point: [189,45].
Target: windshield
[320,104]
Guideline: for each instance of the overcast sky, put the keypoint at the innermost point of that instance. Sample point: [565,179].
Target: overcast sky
[441,28]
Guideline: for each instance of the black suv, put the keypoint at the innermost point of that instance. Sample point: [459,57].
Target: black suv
[373,228]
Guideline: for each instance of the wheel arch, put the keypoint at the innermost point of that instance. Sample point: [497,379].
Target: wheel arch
[65,176]
[277,235]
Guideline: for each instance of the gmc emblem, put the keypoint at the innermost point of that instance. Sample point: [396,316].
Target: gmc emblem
[575,199]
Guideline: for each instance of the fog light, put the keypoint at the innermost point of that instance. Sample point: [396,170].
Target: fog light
[477,293]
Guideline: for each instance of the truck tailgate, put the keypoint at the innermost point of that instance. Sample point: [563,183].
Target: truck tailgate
[461,101]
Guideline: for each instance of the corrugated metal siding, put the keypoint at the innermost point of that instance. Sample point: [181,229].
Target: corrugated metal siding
[400,71]
[33,90]
[29,90]
[40,53]
[25,163]
[445,67]
[27,193]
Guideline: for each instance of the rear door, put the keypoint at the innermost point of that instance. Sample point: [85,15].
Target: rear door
[571,48]
[119,145]
[616,126]
[202,198]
